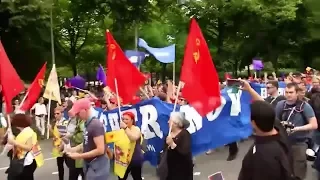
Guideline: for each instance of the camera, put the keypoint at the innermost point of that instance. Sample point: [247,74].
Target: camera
[288,126]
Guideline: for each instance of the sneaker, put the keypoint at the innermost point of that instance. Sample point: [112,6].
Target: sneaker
[209,152]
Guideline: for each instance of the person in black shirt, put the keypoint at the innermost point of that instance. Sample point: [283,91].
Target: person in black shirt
[270,156]
[272,90]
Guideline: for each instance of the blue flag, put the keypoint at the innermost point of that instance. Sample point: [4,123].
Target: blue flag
[229,123]
[135,57]
[164,55]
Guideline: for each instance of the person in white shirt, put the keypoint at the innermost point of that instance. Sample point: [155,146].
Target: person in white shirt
[40,112]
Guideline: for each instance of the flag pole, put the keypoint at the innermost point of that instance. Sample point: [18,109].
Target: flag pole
[175,103]
[53,64]
[136,41]
[174,73]
[49,113]
[24,99]
[118,98]
[51,32]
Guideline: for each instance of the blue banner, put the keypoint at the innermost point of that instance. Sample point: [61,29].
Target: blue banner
[164,55]
[135,57]
[229,123]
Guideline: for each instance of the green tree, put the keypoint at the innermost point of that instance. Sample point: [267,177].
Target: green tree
[74,25]
[24,34]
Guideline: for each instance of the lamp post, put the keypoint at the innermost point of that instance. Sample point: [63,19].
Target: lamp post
[51,34]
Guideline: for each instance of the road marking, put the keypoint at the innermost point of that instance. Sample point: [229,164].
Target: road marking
[5,168]
[54,173]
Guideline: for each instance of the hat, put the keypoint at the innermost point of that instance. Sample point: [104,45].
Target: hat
[180,118]
[79,105]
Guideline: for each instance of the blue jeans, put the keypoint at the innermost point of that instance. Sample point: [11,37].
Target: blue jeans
[97,169]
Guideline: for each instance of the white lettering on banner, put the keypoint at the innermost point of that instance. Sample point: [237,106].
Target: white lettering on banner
[114,121]
[215,114]
[264,94]
[149,118]
[103,119]
[150,148]
[193,117]
[235,102]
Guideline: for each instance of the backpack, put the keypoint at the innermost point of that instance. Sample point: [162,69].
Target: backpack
[298,109]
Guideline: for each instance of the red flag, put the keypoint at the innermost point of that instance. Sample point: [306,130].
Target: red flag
[34,89]
[201,82]
[9,80]
[122,71]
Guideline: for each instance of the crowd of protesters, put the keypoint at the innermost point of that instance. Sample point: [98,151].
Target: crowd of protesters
[285,126]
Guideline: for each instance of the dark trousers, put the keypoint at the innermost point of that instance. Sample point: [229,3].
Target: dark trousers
[233,148]
[75,172]
[60,162]
[27,173]
[135,172]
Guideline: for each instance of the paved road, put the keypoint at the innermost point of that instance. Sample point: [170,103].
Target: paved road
[205,165]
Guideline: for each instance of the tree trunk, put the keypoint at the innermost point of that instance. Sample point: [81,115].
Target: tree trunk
[73,60]
[164,71]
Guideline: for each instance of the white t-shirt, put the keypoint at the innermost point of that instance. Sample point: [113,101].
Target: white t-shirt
[40,109]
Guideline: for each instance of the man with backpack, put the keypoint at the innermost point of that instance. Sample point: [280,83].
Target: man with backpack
[299,119]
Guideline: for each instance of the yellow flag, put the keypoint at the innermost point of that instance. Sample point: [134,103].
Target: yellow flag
[113,136]
[52,90]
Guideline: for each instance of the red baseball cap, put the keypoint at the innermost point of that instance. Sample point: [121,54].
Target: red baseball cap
[79,105]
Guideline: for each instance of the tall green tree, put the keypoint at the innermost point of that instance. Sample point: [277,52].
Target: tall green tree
[75,23]
[24,34]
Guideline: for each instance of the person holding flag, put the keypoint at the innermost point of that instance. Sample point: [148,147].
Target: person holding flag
[52,92]
[27,155]
[59,131]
